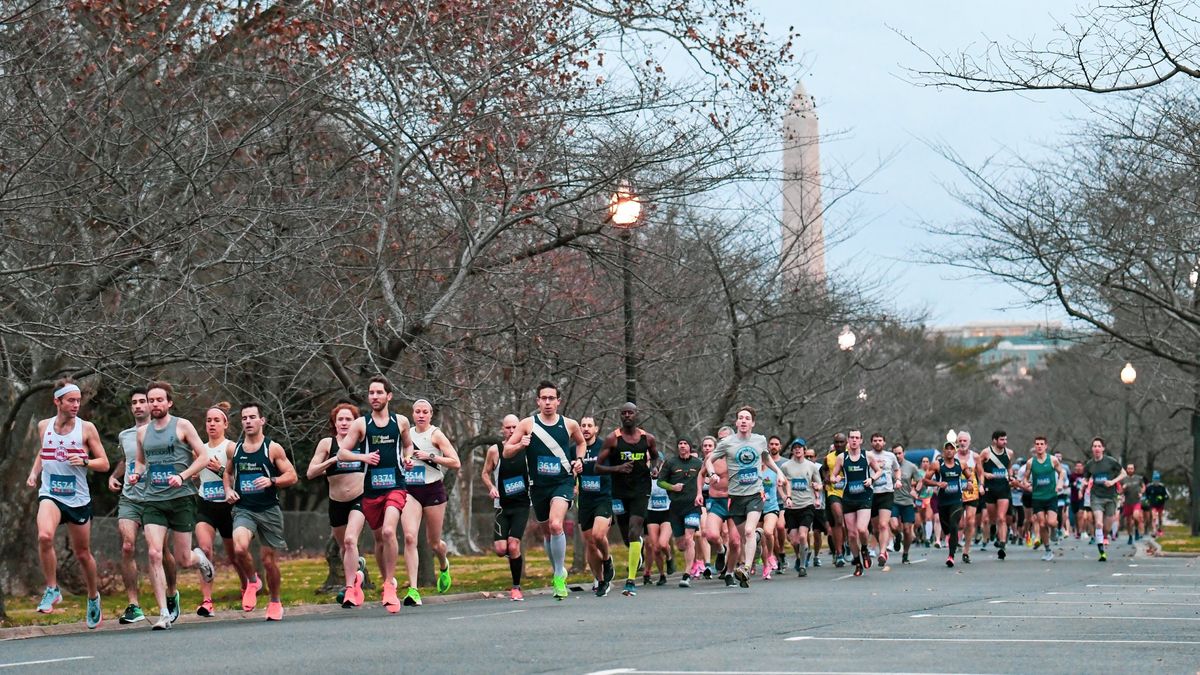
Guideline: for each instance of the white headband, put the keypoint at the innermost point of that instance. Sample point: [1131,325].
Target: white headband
[421,400]
[65,389]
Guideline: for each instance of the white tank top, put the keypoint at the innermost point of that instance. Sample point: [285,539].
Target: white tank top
[60,480]
[212,485]
[423,473]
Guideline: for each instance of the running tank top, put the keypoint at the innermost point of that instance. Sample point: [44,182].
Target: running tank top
[970,489]
[424,473]
[339,467]
[512,480]
[165,456]
[592,484]
[388,474]
[659,499]
[128,441]
[545,468]
[831,488]
[857,472]
[638,479]
[212,485]
[952,477]
[996,470]
[1042,477]
[60,480]
[249,466]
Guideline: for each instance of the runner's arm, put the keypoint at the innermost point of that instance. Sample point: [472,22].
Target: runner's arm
[490,460]
[406,444]
[199,457]
[98,459]
[345,451]
[449,458]
[117,476]
[321,459]
[287,472]
[518,441]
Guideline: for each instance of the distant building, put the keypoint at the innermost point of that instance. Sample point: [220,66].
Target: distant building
[1020,348]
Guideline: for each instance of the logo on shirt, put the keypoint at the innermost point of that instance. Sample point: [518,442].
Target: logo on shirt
[746,455]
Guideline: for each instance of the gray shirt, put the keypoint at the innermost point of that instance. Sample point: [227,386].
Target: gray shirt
[744,457]
[128,441]
[886,461]
[802,476]
[165,454]
[909,473]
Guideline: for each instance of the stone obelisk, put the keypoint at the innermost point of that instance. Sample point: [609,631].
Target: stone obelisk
[803,251]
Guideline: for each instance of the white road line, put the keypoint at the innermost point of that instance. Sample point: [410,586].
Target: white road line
[1144,590]
[918,562]
[720,592]
[1146,574]
[477,616]
[1141,586]
[1089,602]
[845,576]
[1106,642]
[622,671]
[1054,616]
[44,661]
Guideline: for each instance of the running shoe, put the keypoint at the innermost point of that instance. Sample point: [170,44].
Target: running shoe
[274,611]
[671,565]
[204,564]
[93,612]
[173,606]
[883,558]
[937,544]
[1000,553]
[163,623]
[1103,557]
[803,572]
[866,558]
[443,580]
[781,563]
[982,547]
[839,561]
[766,572]
[771,564]
[708,572]
[816,561]
[904,560]
[50,598]
[966,558]
[720,562]
[250,595]
[950,561]
[516,595]
[729,582]
[560,587]
[609,570]
[799,564]
[1047,556]
[412,598]
[743,578]
[630,588]
[662,580]
[389,599]
[354,594]
[205,608]
[858,569]
[1129,542]
[684,582]
[645,579]
[895,545]
[133,614]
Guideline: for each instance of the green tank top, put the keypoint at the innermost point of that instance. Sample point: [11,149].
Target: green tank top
[1042,476]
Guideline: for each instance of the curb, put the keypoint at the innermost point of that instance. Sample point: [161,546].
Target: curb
[1152,549]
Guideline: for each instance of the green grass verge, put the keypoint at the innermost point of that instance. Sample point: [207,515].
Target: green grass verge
[1178,539]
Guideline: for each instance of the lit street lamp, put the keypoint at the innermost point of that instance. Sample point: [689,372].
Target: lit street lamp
[625,211]
[1128,377]
[846,339]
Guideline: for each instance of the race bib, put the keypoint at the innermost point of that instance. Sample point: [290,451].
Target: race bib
[856,487]
[349,466]
[660,502]
[62,486]
[799,484]
[589,483]
[840,484]
[1043,481]
[882,481]
[952,487]
[999,474]
[1100,477]
[212,491]
[618,507]
[246,483]
[513,485]
[415,475]
[383,479]
[549,466]
[692,520]
[748,476]
[160,474]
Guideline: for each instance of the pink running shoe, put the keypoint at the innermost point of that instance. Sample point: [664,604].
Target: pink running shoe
[516,595]
[250,595]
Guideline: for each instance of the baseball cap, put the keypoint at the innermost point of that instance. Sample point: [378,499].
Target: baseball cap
[799,441]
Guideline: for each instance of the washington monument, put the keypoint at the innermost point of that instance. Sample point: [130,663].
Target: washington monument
[803,252]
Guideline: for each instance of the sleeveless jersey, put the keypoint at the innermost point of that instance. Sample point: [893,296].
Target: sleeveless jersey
[424,473]
[995,468]
[60,480]
[953,478]
[858,483]
[1043,478]
[834,489]
[545,468]
[339,467]
[249,466]
[128,441]
[970,488]
[660,500]
[512,480]
[212,485]
[594,486]
[636,481]
[388,474]
[165,456]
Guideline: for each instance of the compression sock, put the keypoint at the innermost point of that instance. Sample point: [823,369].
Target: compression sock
[546,548]
[558,550]
[953,543]
[515,566]
[928,531]
[1099,534]
[802,553]
[635,556]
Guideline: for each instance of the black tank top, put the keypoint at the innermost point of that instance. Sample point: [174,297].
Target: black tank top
[952,477]
[339,467]
[996,471]
[512,479]
[639,454]
[857,472]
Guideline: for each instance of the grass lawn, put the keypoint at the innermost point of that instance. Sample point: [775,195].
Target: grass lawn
[1177,539]
[301,576]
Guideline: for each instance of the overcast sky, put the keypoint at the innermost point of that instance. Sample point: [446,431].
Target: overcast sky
[854,68]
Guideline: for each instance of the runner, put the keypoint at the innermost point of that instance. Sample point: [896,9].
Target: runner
[972,471]
[434,454]
[70,448]
[820,522]
[859,471]
[627,456]
[996,466]
[833,502]
[1042,480]
[946,475]
[679,477]
[803,476]
[129,513]
[770,519]
[1077,512]
[658,531]
[595,510]
[507,481]
[214,515]
[1104,474]
[545,438]
[385,438]
[1132,489]
[257,468]
[883,494]
[169,455]
[904,510]
[345,498]
[778,534]
[1064,498]
[725,541]
[1157,496]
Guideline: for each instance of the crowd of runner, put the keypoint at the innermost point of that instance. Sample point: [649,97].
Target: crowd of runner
[733,507]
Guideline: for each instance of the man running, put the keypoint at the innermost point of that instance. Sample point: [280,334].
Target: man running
[70,448]
[345,498]
[1156,497]
[859,471]
[803,477]
[968,458]
[946,475]
[257,468]
[883,494]
[1104,475]
[745,453]
[904,512]
[507,481]
[595,510]
[820,522]
[716,510]
[545,438]
[996,465]
[385,438]
[627,456]
[129,513]
[169,456]
[678,476]
[1042,480]
[1132,489]
[432,457]
[833,502]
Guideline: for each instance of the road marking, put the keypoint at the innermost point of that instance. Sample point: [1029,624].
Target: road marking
[917,562]
[1087,602]
[1055,617]
[813,638]
[722,591]
[476,616]
[1140,586]
[623,671]
[1145,574]
[845,576]
[1144,590]
[44,661]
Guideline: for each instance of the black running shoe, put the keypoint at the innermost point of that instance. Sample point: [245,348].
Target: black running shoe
[858,570]
[729,580]
[967,558]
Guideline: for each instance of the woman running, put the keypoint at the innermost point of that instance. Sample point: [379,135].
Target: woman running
[432,456]
[346,518]
[658,531]
[214,515]
[947,476]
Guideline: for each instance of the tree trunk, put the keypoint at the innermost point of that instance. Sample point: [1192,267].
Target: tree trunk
[336,578]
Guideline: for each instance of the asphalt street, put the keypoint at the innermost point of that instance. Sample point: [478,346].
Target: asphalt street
[1022,615]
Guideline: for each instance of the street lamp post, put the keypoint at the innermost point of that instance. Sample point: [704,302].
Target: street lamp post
[1128,376]
[625,211]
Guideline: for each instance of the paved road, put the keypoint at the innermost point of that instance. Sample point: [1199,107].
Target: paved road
[1020,616]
